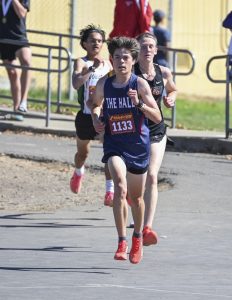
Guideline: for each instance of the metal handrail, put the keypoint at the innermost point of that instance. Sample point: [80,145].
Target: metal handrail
[175,52]
[227,81]
[47,70]
[10,42]
[174,61]
[208,68]
[60,36]
[175,73]
[53,33]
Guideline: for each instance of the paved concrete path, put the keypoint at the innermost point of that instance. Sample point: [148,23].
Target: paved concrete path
[69,254]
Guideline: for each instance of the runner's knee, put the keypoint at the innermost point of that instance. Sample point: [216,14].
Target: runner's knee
[152,178]
[137,201]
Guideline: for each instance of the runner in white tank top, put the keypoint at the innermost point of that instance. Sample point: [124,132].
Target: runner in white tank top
[87,71]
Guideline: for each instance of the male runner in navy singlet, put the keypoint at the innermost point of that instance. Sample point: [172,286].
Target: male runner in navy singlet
[127,102]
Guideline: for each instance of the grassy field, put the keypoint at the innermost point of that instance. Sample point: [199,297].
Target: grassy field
[200,114]
[191,113]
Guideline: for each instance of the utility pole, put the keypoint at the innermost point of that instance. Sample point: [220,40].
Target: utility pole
[170,17]
[73,26]
[172,58]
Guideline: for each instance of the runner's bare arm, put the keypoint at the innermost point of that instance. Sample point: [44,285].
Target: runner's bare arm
[81,72]
[97,102]
[170,99]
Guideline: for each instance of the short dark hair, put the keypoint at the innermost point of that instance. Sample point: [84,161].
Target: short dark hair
[147,35]
[158,15]
[130,44]
[85,32]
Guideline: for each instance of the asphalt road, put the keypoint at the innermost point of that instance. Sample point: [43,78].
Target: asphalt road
[69,254]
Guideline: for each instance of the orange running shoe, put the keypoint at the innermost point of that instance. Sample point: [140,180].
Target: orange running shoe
[136,252]
[75,183]
[150,237]
[121,253]
[108,201]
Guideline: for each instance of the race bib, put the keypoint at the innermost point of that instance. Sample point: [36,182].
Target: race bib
[123,123]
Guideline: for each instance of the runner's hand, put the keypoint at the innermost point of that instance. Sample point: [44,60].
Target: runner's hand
[134,96]
[96,62]
[99,126]
[168,101]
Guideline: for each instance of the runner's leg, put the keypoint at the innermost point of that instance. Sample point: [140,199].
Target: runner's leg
[136,186]
[83,148]
[151,190]
[117,170]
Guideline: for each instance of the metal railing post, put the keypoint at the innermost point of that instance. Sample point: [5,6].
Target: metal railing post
[228,82]
[175,73]
[59,76]
[48,111]
[227,106]
[173,120]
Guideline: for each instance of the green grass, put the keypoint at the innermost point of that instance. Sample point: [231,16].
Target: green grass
[195,114]
[40,94]
[199,114]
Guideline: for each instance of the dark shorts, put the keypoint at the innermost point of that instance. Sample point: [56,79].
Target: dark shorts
[84,127]
[156,138]
[8,52]
[129,167]
[157,135]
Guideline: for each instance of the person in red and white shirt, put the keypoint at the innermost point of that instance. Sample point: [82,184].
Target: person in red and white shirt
[131,17]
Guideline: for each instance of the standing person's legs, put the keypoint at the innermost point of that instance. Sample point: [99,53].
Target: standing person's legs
[151,190]
[24,56]
[136,186]
[83,147]
[14,78]
[117,170]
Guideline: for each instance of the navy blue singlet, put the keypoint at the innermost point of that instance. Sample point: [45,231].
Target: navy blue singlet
[126,128]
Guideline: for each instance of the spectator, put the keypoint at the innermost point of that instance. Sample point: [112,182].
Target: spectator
[163,37]
[13,27]
[227,23]
[131,17]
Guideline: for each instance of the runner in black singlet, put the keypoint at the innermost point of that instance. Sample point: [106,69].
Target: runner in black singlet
[158,78]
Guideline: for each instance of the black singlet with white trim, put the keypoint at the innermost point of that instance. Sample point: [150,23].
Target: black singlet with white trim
[157,131]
